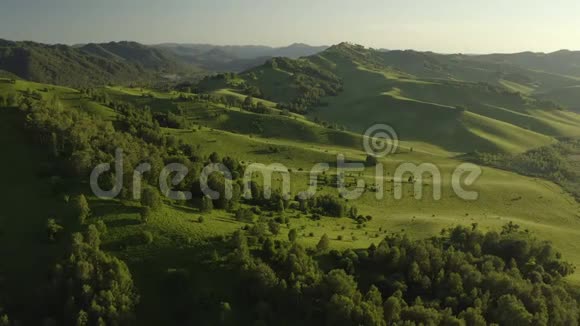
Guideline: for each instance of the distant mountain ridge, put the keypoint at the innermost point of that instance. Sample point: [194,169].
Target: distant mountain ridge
[133,52]
[563,62]
[126,61]
[90,64]
[236,58]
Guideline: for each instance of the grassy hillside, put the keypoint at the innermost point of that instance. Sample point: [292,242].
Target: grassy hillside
[567,96]
[70,98]
[277,125]
[558,162]
[512,74]
[426,97]
[422,110]
[563,62]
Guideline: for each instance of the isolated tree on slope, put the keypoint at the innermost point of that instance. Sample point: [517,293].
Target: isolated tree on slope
[292,235]
[151,198]
[206,204]
[324,244]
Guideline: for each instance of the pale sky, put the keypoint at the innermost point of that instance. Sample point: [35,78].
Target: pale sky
[465,26]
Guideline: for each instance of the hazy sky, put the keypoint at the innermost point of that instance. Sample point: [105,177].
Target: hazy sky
[468,26]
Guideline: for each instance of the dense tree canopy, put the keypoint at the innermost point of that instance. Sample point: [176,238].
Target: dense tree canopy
[94,287]
[463,277]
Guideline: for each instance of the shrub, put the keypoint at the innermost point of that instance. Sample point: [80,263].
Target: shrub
[293,235]
[274,227]
[244,215]
[206,204]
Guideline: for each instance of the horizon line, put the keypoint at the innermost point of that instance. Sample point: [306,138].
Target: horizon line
[72,44]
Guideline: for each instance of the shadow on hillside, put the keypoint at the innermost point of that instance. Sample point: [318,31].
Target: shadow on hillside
[118,223]
[225,220]
[123,244]
[185,209]
[103,208]
[334,164]
[263,152]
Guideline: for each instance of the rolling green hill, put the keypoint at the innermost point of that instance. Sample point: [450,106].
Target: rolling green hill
[563,62]
[508,73]
[454,102]
[567,96]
